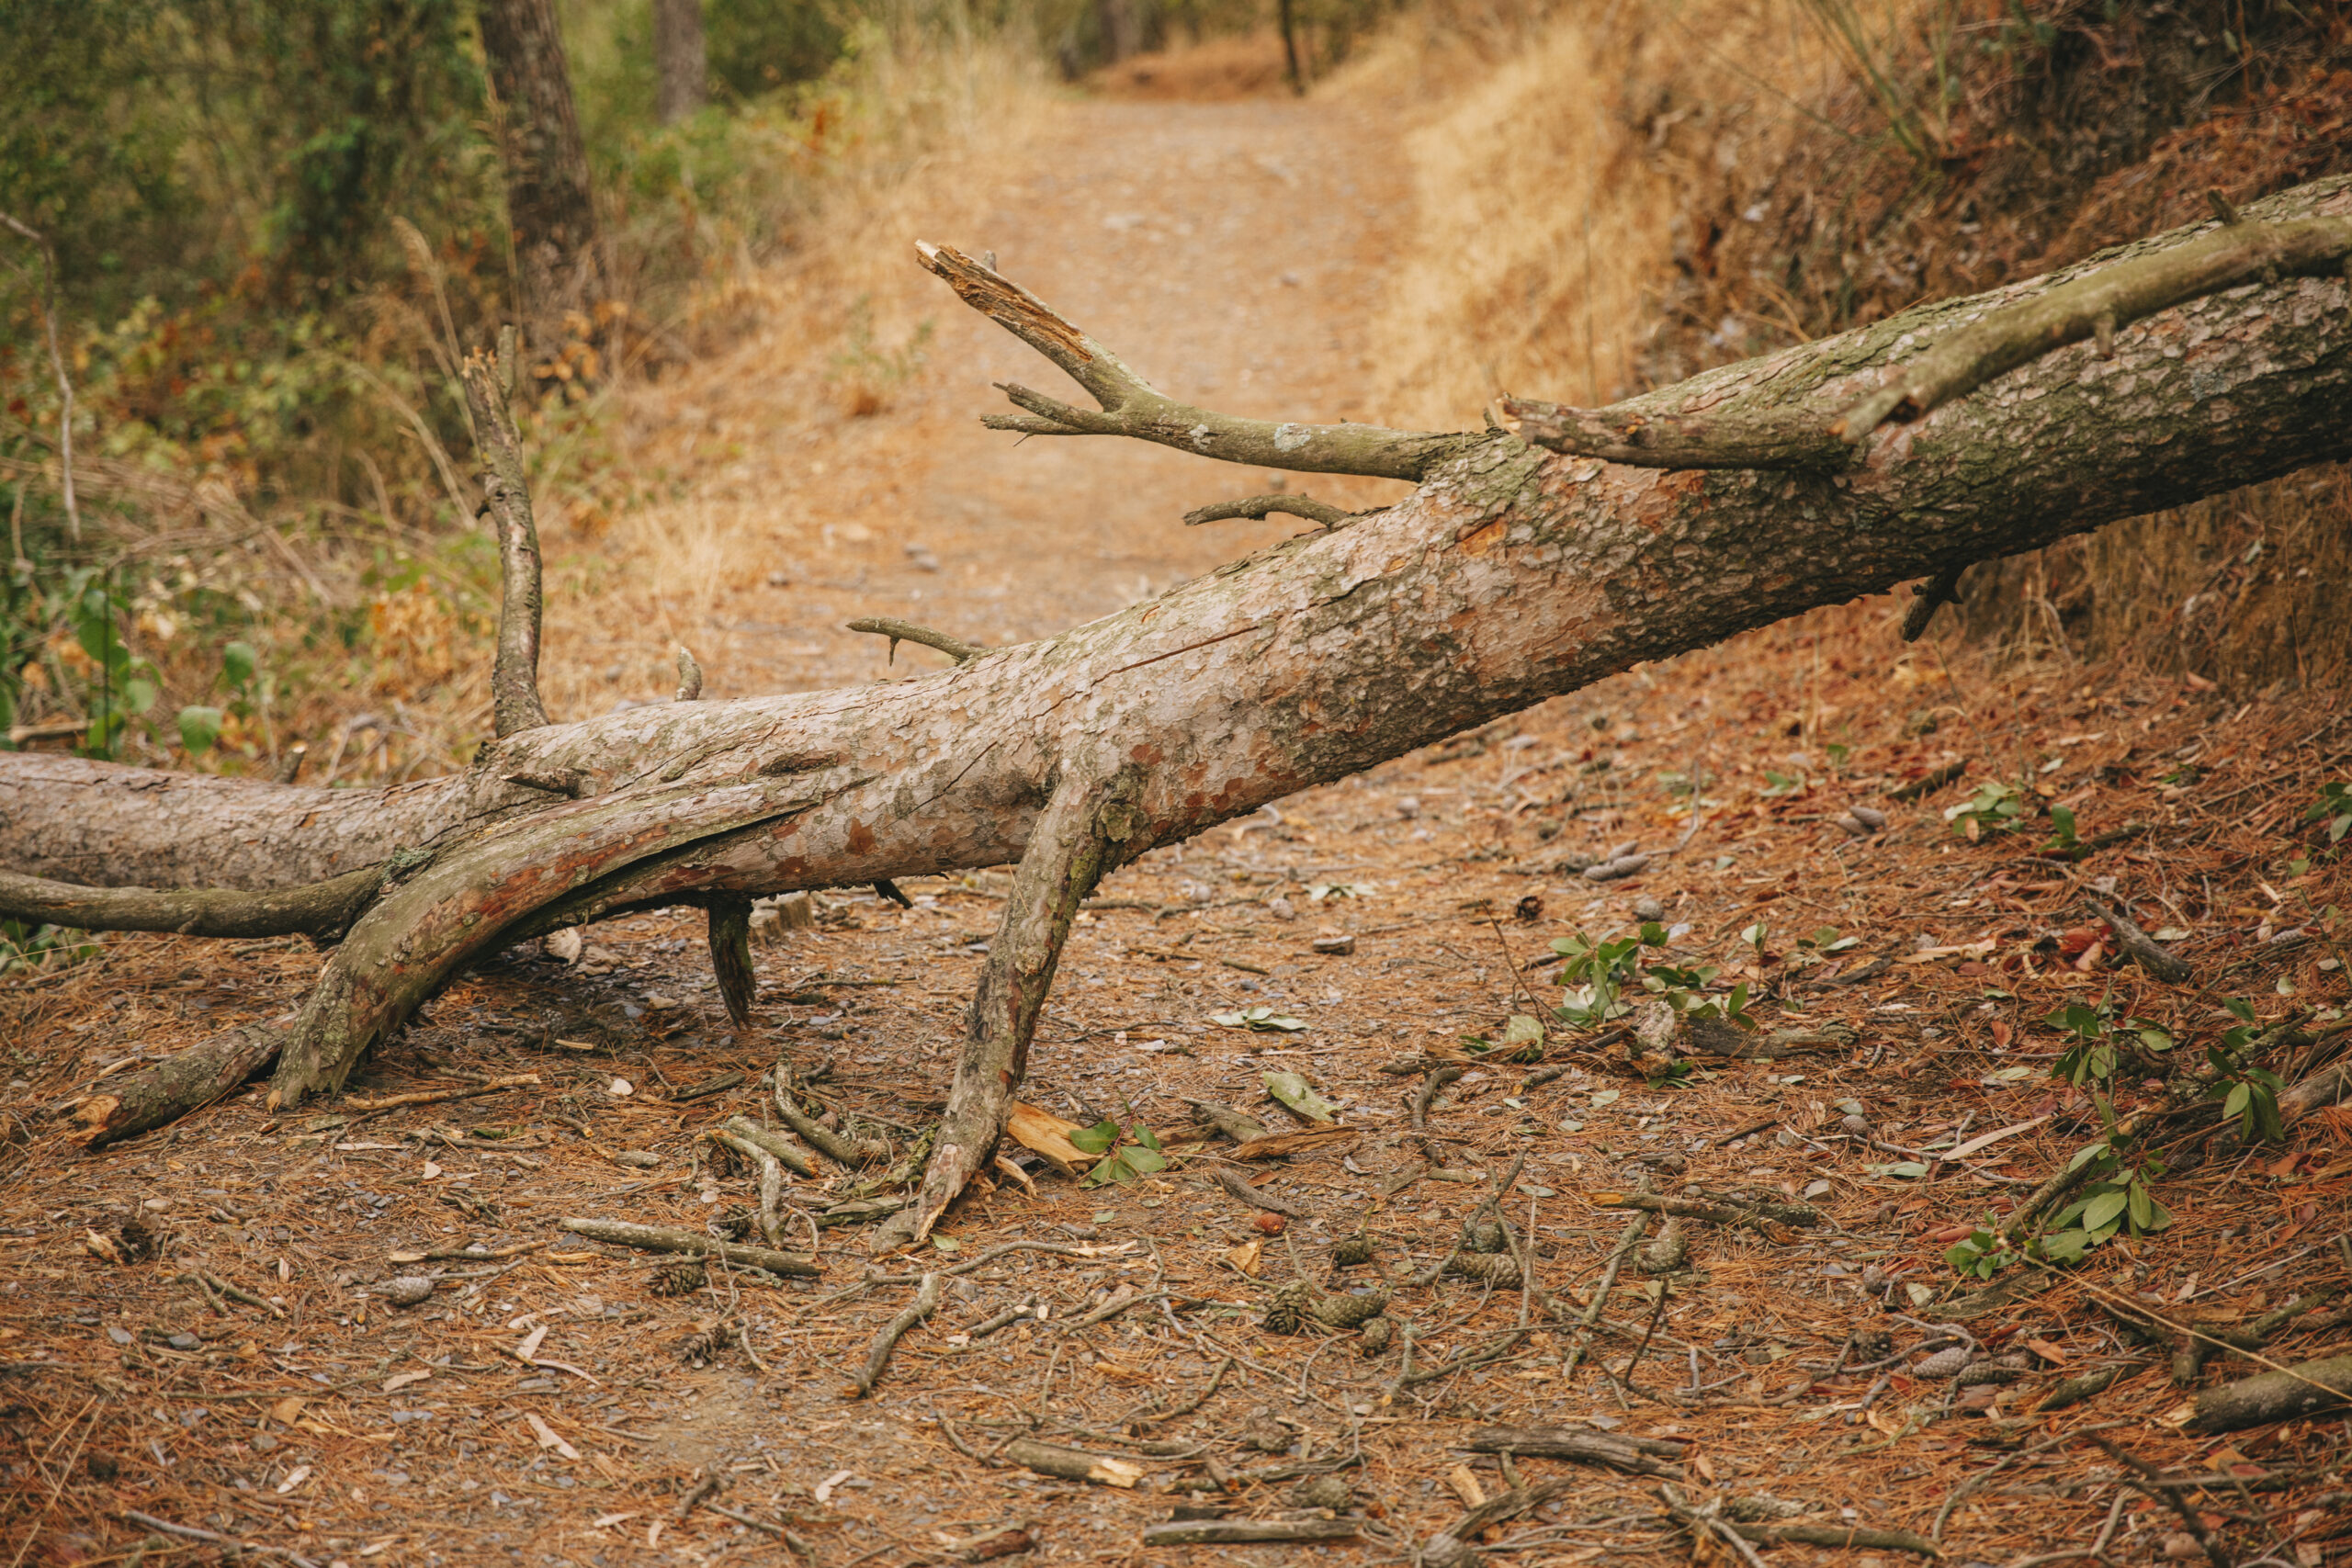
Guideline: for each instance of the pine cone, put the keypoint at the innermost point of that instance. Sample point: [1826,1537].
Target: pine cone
[1322,1492]
[680,1278]
[1287,1313]
[700,1350]
[1348,1251]
[1944,1363]
[1484,1235]
[721,1162]
[138,1242]
[736,1224]
[1375,1335]
[1498,1270]
[1347,1311]
[1670,1251]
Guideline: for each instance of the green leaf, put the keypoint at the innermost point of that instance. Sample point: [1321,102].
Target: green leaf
[1906,1168]
[2240,1008]
[1147,1137]
[1095,1139]
[238,662]
[2142,1208]
[1293,1091]
[1522,1030]
[1143,1162]
[2101,1211]
[199,727]
[2066,1247]
[945,1242]
[1605,1097]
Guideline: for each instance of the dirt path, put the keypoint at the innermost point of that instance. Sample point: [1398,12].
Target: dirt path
[1230,250]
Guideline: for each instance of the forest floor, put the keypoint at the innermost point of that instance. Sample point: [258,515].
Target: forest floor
[238,1374]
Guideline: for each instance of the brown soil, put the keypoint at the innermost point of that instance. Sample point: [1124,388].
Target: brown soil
[1229,250]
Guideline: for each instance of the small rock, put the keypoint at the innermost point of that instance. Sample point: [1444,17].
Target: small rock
[2181,1547]
[184,1342]
[1853,827]
[264,1443]
[1283,909]
[406,1289]
[1649,908]
[1408,807]
[643,1159]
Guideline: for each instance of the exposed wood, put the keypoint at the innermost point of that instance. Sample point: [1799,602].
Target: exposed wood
[1236,1532]
[1275,1146]
[1072,1465]
[175,1086]
[1635,1456]
[506,492]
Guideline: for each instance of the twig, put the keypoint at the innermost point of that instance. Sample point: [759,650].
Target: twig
[436,1096]
[190,1532]
[1257,507]
[900,631]
[2154,1484]
[1625,1240]
[926,1301]
[662,1238]
[2143,948]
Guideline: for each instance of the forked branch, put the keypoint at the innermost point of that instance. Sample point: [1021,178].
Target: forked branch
[506,490]
[1132,406]
[900,631]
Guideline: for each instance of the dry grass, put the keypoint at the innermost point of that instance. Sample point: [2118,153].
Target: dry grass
[1556,165]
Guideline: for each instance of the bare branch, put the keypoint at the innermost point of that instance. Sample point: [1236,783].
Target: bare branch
[900,631]
[321,908]
[515,679]
[1636,433]
[1930,596]
[1258,507]
[1132,406]
[2096,305]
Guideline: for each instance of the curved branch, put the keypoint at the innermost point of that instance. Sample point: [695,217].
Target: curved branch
[1257,507]
[1942,589]
[320,909]
[1132,406]
[514,678]
[2098,305]
[900,631]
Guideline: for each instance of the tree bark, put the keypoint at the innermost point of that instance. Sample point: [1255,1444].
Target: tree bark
[549,206]
[679,65]
[1513,574]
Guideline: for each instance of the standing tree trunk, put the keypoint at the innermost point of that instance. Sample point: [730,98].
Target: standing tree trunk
[1525,565]
[678,58]
[558,261]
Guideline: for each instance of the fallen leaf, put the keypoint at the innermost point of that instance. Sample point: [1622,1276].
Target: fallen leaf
[1245,1257]
[607,1521]
[287,1410]
[294,1478]
[617,1089]
[1042,1132]
[431,1170]
[101,1245]
[824,1492]
[402,1379]
[1296,1093]
[1465,1486]
[531,1342]
[548,1439]
[1885,1423]
[2050,1353]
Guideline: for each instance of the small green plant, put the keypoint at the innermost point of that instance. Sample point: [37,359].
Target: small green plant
[2101,1041]
[1778,784]
[2063,839]
[1993,807]
[2117,1199]
[2249,1095]
[1596,976]
[1128,1153]
[200,724]
[2333,808]
[26,945]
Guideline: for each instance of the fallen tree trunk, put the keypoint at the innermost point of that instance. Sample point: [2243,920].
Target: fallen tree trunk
[1515,573]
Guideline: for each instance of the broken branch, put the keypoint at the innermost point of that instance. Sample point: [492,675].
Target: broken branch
[506,492]
[321,908]
[900,631]
[926,1301]
[1257,508]
[662,1238]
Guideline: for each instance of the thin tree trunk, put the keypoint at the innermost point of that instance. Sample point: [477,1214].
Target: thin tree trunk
[678,61]
[549,206]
